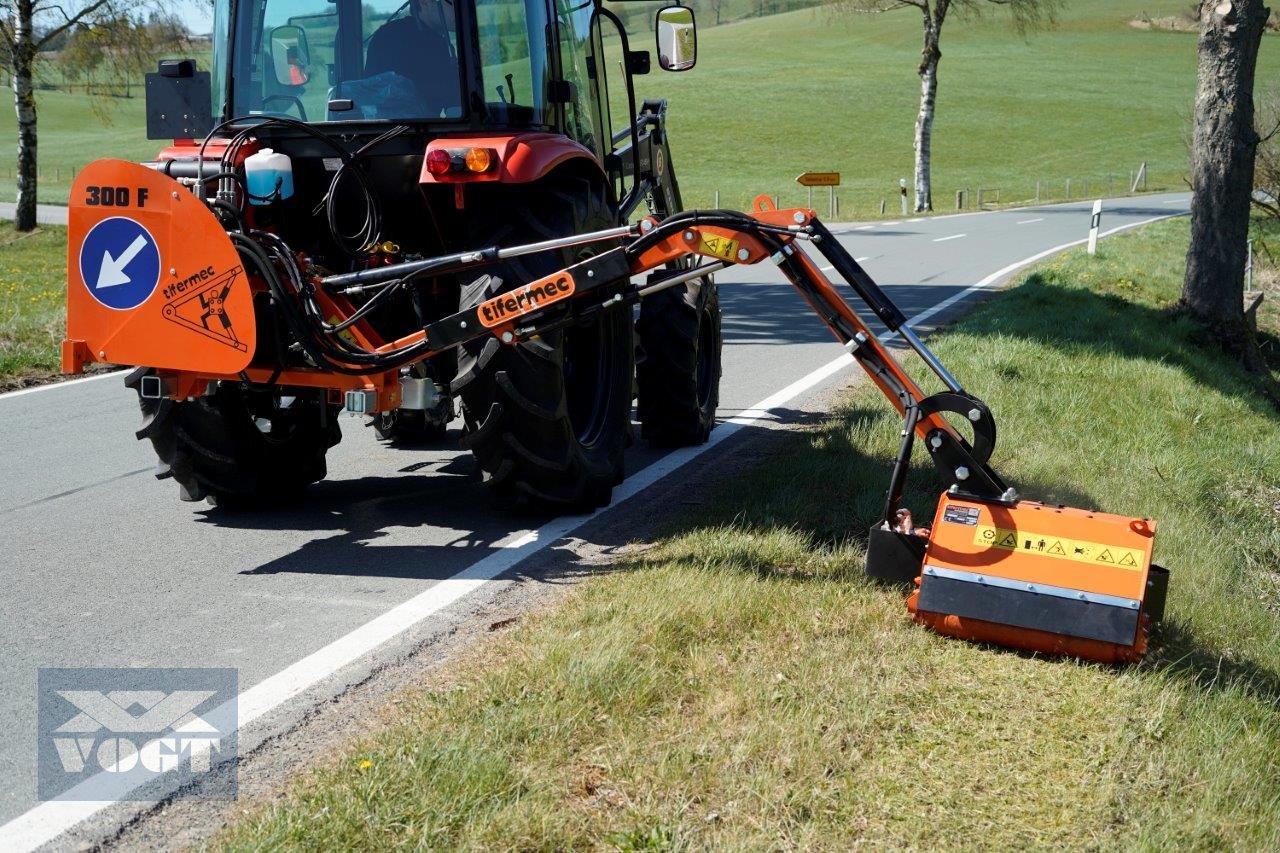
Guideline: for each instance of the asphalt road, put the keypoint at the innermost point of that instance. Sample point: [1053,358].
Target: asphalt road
[103,566]
[46,214]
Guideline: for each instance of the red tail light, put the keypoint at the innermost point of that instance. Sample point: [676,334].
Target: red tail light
[439,162]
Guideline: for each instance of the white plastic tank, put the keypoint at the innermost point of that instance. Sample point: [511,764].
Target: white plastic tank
[264,172]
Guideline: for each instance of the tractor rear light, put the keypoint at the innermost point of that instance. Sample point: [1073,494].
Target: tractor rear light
[479,159]
[439,162]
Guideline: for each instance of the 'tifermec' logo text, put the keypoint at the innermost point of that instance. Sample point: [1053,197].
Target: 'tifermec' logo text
[525,300]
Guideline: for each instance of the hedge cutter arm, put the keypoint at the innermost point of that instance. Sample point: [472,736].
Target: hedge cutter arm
[991,568]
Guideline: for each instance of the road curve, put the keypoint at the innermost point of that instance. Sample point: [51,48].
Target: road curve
[102,565]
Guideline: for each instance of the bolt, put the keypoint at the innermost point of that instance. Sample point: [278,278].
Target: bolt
[1084,597]
[860,337]
[798,217]
[173,271]
[935,441]
[507,337]
[102,353]
[975,415]
[462,324]
[688,235]
[743,254]
[1031,587]
[646,226]
[591,273]
[175,193]
[962,473]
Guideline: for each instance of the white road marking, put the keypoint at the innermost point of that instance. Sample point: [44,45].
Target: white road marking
[1172,201]
[895,222]
[1029,221]
[45,822]
[864,228]
[829,268]
[53,386]
[952,237]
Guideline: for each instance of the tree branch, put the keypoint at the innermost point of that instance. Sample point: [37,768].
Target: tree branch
[7,33]
[70,20]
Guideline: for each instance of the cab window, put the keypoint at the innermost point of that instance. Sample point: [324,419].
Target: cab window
[514,63]
[320,60]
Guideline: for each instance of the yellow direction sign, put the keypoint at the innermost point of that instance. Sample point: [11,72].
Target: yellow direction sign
[819,179]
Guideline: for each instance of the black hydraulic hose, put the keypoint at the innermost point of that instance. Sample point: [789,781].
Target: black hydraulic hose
[334,352]
[370,229]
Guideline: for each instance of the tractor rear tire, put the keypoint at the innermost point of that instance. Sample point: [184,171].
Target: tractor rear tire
[678,370]
[548,419]
[238,449]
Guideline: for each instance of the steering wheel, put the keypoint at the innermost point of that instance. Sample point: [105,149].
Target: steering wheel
[290,99]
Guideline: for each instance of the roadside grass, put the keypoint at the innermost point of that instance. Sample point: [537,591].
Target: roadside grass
[1088,100]
[33,300]
[738,684]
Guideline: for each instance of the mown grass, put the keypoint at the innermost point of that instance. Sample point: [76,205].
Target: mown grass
[739,685]
[33,299]
[1087,100]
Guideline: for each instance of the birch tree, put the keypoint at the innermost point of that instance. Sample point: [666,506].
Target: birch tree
[1026,15]
[27,26]
[1223,154]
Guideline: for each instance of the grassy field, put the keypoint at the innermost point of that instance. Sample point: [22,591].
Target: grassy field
[33,299]
[738,685]
[772,97]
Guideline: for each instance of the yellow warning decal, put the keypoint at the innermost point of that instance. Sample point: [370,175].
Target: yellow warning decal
[718,247]
[345,334]
[1059,547]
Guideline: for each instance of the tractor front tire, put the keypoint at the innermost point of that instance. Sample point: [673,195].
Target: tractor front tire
[678,370]
[235,448]
[548,419]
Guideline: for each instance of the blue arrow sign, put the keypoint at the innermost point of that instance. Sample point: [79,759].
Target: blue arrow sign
[120,263]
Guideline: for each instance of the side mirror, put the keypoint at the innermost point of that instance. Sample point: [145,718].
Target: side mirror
[290,55]
[677,38]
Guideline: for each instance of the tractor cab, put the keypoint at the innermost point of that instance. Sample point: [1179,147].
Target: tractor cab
[440,69]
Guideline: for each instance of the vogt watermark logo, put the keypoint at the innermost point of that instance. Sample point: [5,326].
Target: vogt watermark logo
[121,734]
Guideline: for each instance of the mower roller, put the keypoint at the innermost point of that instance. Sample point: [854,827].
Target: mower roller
[991,567]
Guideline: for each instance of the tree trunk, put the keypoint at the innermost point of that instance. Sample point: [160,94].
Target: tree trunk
[24,104]
[930,56]
[1223,147]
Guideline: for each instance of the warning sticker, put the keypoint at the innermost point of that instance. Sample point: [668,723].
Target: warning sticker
[204,312]
[1080,551]
[718,247]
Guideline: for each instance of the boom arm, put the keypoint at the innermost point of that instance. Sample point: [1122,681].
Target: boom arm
[720,239]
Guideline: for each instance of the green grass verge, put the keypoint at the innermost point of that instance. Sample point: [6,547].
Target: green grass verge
[1088,100]
[33,302]
[739,685]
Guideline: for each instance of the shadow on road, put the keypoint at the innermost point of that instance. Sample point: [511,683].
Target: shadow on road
[775,314]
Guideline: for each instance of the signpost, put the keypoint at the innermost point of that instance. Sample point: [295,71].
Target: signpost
[1094,224]
[830,180]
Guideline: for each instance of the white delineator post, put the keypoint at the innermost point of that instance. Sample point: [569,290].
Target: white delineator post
[1094,224]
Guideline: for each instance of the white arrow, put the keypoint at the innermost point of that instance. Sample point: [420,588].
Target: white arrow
[111,274]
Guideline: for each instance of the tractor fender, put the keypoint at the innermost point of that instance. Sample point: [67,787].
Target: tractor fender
[522,157]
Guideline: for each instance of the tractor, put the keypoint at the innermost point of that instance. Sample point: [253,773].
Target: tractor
[365,133]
